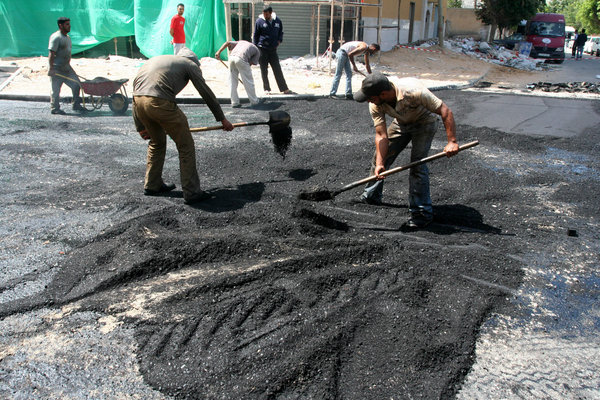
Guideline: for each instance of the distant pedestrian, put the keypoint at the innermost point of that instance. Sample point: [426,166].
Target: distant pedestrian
[268,35]
[177,29]
[242,55]
[581,39]
[573,45]
[59,63]
[156,115]
[345,56]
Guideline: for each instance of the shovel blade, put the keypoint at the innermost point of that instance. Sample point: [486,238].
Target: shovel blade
[278,120]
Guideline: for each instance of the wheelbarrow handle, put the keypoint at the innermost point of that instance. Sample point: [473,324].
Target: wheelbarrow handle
[66,77]
[236,125]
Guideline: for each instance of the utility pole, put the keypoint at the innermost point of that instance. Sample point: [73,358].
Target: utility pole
[440,25]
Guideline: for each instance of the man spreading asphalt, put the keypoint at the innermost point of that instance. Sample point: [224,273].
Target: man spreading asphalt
[59,67]
[345,55]
[156,115]
[242,55]
[177,29]
[268,35]
[414,110]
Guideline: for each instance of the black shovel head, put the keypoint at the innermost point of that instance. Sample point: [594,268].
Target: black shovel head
[278,120]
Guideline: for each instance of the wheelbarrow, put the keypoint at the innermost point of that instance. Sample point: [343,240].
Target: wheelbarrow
[105,90]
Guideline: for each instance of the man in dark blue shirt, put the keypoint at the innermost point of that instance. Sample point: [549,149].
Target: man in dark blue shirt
[268,34]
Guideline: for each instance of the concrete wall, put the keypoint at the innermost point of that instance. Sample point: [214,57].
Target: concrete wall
[463,22]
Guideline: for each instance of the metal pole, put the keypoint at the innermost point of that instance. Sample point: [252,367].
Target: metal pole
[331,37]
[440,25]
[228,21]
[312,31]
[253,24]
[318,31]
[380,18]
[342,28]
[240,23]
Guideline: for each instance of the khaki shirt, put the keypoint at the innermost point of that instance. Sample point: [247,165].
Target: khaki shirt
[415,104]
[165,76]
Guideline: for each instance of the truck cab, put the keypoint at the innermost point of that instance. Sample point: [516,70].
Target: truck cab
[546,33]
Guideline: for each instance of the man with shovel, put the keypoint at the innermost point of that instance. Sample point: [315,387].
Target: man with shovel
[414,110]
[156,115]
[59,67]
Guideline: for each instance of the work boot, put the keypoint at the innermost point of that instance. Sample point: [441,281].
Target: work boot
[419,221]
[79,107]
[197,198]
[58,111]
[163,189]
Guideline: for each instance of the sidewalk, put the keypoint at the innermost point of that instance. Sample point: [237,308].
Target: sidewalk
[311,80]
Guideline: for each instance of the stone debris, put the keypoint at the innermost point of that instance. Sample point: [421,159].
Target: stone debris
[570,87]
[488,52]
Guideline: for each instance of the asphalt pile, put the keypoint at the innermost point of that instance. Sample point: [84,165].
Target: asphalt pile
[256,293]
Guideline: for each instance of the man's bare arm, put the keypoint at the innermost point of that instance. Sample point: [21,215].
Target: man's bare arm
[451,148]
[51,57]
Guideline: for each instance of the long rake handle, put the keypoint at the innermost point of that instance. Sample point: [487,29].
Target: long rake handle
[404,167]
[236,125]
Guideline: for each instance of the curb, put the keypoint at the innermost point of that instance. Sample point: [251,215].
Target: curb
[227,100]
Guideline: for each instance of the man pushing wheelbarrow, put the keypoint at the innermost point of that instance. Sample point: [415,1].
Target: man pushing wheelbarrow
[59,68]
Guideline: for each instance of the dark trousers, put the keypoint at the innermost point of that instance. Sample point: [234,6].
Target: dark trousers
[269,56]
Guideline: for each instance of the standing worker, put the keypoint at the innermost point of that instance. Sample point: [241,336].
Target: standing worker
[574,43]
[268,34]
[345,55]
[59,63]
[580,42]
[242,55]
[413,108]
[177,31]
[156,115]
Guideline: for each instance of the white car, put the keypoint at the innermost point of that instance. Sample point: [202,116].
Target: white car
[592,46]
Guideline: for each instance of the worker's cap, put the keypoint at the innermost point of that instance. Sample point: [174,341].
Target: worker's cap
[187,53]
[372,85]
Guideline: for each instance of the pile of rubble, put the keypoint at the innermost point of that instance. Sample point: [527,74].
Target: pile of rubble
[490,53]
[571,87]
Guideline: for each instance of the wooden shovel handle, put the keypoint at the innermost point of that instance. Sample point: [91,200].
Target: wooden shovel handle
[236,125]
[405,167]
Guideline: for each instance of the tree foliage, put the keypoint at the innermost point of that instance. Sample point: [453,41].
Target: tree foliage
[507,13]
[568,8]
[588,13]
[454,3]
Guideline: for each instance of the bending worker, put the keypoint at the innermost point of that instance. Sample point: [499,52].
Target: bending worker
[414,110]
[243,55]
[156,115]
[345,55]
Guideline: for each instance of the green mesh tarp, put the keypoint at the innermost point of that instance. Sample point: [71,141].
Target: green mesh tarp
[28,24]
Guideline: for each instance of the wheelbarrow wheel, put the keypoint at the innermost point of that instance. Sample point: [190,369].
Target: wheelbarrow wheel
[118,103]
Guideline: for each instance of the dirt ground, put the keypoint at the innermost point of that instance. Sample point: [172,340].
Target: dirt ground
[303,75]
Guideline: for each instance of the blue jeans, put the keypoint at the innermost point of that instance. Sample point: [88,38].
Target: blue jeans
[579,53]
[421,136]
[343,65]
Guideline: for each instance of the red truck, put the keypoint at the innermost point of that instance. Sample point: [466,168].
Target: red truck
[546,33]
